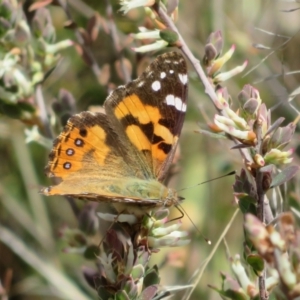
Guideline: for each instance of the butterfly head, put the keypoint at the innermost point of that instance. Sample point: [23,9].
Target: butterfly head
[172,198]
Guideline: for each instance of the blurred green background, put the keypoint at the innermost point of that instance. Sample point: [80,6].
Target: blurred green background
[30,245]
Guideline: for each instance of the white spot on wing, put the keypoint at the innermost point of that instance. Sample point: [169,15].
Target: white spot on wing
[171,71]
[170,99]
[156,85]
[67,165]
[141,83]
[177,102]
[78,142]
[163,75]
[183,78]
[70,151]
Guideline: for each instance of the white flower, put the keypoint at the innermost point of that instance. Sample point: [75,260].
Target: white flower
[127,5]
[226,75]
[151,47]
[146,34]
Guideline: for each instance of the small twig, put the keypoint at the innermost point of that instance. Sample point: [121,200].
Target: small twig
[208,259]
[281,46]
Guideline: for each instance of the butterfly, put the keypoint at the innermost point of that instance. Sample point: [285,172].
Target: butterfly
[122,156]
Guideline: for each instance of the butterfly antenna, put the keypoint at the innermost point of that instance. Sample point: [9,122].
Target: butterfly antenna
[183,212]
[209,180]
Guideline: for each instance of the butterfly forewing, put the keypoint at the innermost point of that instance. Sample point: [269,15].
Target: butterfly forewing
[149,112]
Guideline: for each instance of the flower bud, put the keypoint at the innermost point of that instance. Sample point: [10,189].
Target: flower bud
[213,47]
[277,157]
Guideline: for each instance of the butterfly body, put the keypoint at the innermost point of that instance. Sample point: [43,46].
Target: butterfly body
[122,156]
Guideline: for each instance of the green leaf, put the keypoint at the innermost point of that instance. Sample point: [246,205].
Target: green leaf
[149,292]
[285,175]
[151,278]
[91,252]
[235,295]
[137,272]
[122,295]
[12,111]
[256,262]
[130,288]
[230,293]
[26,106]
[230,288]
[169,36]
[16,111]
[104,294]
[247,205]
[212,134]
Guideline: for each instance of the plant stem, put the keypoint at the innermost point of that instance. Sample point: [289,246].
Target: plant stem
[260,212]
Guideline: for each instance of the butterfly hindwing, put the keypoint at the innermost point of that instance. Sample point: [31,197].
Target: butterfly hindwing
[87,153]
